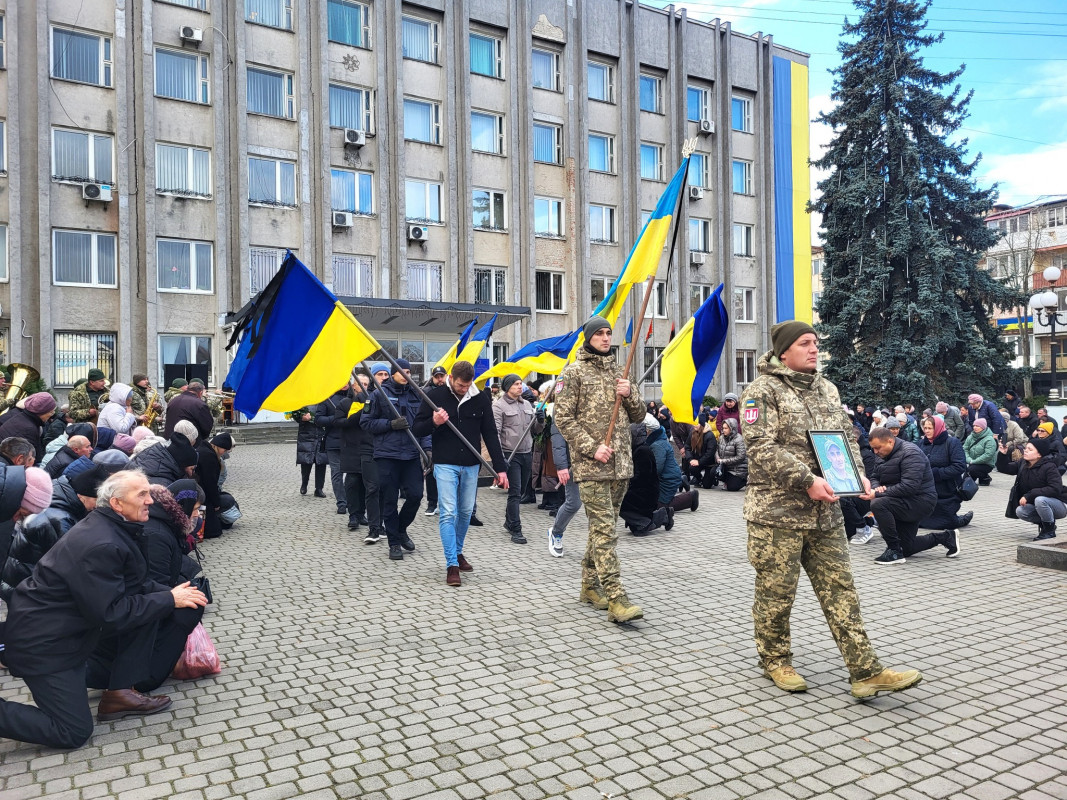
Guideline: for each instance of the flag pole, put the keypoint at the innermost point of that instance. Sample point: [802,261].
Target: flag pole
[687,149]
[426,461]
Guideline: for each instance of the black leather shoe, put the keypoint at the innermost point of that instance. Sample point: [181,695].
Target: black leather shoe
[964,520]
[407,544]
[303,490]
[518,538]
[395,553]
[342,509]
[320,493]
[475,522]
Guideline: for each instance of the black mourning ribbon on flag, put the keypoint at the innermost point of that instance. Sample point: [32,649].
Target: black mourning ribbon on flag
[255,315]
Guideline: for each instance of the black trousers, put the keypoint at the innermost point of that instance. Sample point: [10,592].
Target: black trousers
[372,493]
[683,501]
[898,522]
[337,477]
[701,476]
[519,470]
[980,472]
[944,514]
[431,484]
[62,717]
[854,510]
[320,476]
[394,474]
[355,496]
[734,483]
[168,647]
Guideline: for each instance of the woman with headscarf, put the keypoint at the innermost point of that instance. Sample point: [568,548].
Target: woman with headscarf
[948,463]
[116,413]
[981,451]
[728,410]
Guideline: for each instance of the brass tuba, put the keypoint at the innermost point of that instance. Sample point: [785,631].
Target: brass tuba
[21,376]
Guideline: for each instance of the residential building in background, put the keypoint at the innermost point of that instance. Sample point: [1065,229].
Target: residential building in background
[818,259]
[429,161]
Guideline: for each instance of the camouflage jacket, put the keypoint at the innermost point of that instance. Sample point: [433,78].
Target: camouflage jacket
[170,394]
[81,405]
[585,396]
[777,411]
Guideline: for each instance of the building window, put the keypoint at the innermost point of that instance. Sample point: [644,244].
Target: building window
[651,94]
[271,182]
[275,13]
[351,191]
[815,298]
[425,280]
[348,23]
[3,253]
[545,67]
[487,132]
[698,101]
[601,80]
[81,57]
[741,114]
[3,147]
[423,201]
[488,210]
[601,224]
[598,290]
[182,76]
[350,108]
[548,290]
[491,285]
[487,55]
[263,264]
[1056,216]
[698,293]
[81,258]
[419,39]
[816,266]
[183,170]
[183,266]
[651,162]
[182,349]
[651,354]
[199,5]
[422,121]
[742,177]
[699,235]
[353,276]
[601,153]
[744,308]
[548,143]
[3,40]
[78,352]
[657,306]
[548,216]
[500,352]
[81,157]
[742,239]
[270,93]
[745,370]
[698,170]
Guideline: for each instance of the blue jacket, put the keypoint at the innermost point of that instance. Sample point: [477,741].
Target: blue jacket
[947,462]
[376,418]
[670,474]
[988,412]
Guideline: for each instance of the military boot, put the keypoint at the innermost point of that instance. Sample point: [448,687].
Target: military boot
[886,681]
[622,610]
[787,679]
[592,596]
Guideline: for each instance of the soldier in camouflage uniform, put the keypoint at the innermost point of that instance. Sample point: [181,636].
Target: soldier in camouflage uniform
[85,398]
[585,396]
[794,519]
[177,386]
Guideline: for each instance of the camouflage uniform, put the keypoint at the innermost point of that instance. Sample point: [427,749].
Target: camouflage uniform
[82,402]
[788,530]
[170,394]
[585,396]
[139,406]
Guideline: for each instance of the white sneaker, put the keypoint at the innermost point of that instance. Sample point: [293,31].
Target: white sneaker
[863,538]
[555,544]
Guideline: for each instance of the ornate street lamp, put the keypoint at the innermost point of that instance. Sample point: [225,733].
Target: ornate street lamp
[1046,306]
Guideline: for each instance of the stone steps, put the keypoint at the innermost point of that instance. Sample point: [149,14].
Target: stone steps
[263,433]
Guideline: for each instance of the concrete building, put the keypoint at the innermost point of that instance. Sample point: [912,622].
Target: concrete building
[431,161]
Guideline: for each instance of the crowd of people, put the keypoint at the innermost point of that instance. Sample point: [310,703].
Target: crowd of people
[100,519]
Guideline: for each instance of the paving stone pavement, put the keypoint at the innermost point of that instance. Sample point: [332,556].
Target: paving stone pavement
[347,675]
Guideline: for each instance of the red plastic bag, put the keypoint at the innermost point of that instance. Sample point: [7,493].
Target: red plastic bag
[199,658]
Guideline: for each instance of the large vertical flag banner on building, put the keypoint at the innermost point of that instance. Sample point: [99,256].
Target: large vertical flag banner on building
[298,344]
[690,360]
[451,357]
[792,225]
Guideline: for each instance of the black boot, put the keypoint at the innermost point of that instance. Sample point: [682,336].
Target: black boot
[1045,531]
[963,520]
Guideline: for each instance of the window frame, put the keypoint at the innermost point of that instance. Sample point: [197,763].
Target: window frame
[651,353]
[659,305]
[357,259]
[285,13]
[748,238]
[203,72]
[94,261]
[557,302]
[560,216]
[357,175]
[366,113]
[91,154]
[604,282]
[658,152]
[435,121]
[105,65]
[433,30]
[609,152]
[365,27]
[557,78]
[3,41]
[698,295]
[744,301]
[94,349]
[5,272]
[657,83]
[746,176]
[705,103]
[498,120]
[493,193]
[609,218]
[498,284]
[746,114]
[193,266]
[498,50]
[744,362]
[426,198]
[1056,217]
[431,266]
[279,202]
[609,81]
[189,174]
[261,251]
[191,340]
[704,234]
[557,132]
[288,99]
[704,176]
[195,5]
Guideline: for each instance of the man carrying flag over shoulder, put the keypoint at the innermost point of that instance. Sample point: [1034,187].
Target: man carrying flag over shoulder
[585,397]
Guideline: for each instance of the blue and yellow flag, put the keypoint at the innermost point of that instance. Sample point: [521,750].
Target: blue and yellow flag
[545,355]
[474,346]
[690,360]
[629,333]
[450,358]
[298,344]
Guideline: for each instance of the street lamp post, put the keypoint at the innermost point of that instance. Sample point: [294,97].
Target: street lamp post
[1046,306]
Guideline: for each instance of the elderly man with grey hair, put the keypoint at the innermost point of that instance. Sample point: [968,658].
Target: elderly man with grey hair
[954,423]
[94,578]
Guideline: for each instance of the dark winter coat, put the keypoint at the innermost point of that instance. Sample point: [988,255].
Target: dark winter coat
[94,578]
[732,454]
[670,474]
[376,420]
[1058,452]
[166,542]
[642,493]
[707,454]
[20,422]
[1040,479]
[158,464]
[310,444]
[208,469]
[188,406]
[60,461]
[353,437]
[54,428]
[947,462]
[39,533]
[1029,424]
[1011,403]
[988,412]
[330,416]
[561,453]
[473,417]
[906,473]
[863,441]
[12,488]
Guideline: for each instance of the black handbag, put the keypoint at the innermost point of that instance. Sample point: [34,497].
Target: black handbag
[203,583]
[967,488]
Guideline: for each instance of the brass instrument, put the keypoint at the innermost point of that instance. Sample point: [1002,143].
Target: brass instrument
[150,414]
[21,376]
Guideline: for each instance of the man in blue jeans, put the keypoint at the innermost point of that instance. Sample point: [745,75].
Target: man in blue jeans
[455,466]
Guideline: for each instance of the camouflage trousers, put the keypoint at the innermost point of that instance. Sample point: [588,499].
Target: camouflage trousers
[777,555]
[600,565]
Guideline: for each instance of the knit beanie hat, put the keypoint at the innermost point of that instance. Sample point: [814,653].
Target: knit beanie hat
[974,398]
[88,482]
[187,493]
[1047,427]
[38,494]
[111,458]
[730,396]
[980,425]
[941,407]
[595,323]
[785,333]
[892,422]
[140,433]
[651,423]
[403,364]
[187,429]
[379,366]
[1043,446]
[182,451]
[509,381]
[137,378]
[223,440]
[40,403]
[178,383]
[96,374]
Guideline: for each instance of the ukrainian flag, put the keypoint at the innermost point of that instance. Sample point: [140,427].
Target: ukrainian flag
[629,333]
[449,358]
[474,346]
[690,360]
[549,356]
[298,344]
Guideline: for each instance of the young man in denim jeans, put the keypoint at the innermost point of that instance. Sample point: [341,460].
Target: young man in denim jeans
[455,466]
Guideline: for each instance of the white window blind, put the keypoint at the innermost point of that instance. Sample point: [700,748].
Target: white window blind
[81,156]
[183,266]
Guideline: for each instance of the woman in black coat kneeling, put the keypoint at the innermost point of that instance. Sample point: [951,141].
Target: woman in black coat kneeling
[948,463]
[698,457]
[1038,494]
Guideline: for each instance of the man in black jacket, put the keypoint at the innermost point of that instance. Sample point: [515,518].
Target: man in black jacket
[95,577]
[75,448]
[455,466]
[332,414]
[902,493]
[352,437]
[190,405]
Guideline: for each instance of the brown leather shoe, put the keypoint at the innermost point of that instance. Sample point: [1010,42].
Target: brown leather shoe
[464,564]
[119,703]
[453,577]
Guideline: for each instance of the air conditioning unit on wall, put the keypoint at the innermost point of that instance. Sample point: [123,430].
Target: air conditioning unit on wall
[697,259]
[191,35]
[354,138]
[342,219]
[707,127]
[99,192]
[696,193]
[418,233]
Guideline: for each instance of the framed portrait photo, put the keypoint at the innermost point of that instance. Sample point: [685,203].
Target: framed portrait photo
[836,464]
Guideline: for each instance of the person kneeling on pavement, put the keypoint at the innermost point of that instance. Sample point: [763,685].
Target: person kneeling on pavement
[947,463]
[903,493]
[981,451]
[698,456]
[733,458]
[640,508]
[94,578]
[1038,494]
[670,474]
